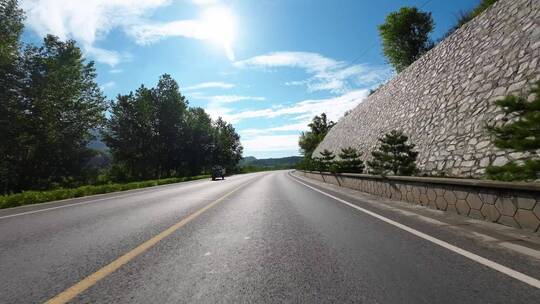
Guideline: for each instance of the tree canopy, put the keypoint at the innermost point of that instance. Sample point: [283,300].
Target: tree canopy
[50,104]
[394,155]
[152,133]
[520,134]
[405,36]
[52,108]
[309,140]
[349,161]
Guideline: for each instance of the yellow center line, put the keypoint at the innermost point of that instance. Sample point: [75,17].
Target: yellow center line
[92,279]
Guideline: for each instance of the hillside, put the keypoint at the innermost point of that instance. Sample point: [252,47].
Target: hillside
[270,162]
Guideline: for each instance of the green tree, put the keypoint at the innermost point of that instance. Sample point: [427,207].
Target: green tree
[153,134]
[394,155]
[62,105]
[170,124]
[130,135]
[11,105]
[520,134]
[405,36]
[309,140]
[50,103]
[11,27]
[467,16]
[327,160]
[199,141]
[350,161]
[146,131]
[226,148]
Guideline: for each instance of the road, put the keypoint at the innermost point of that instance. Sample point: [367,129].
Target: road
[259,238]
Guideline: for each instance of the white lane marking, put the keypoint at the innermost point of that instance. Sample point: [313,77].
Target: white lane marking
[493,265]
[95,200]
[67,205]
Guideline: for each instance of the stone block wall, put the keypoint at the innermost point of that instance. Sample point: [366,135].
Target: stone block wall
[511,204]
[444,100]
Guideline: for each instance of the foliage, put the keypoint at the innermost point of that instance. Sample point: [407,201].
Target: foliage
[52,104]
[521,134]
[226,147]
[153,134]
[405,36]
[11,27]
[513,171]
[35,197]
[349,161]
[51,109]
[251,168]
[327,160]
[11,107]
[285,162]
[394,155]
[465,17]
[144,131]
[309,140]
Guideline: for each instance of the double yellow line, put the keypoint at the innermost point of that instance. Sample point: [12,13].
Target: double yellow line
[92,279]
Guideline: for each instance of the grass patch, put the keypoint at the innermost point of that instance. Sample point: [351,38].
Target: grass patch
[36,197]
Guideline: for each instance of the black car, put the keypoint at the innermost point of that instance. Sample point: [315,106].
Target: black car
[218,171]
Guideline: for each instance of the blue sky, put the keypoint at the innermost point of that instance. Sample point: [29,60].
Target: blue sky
[267,66]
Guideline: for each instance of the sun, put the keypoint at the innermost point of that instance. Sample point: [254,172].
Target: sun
[220,27]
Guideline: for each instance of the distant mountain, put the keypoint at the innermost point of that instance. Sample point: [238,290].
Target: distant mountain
[270,162]
[97,143]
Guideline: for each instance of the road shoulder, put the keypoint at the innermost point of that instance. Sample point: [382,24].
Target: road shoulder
[489,235]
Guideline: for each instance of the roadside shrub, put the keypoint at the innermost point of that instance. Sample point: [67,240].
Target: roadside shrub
[467,16]
[327,160]
[394,156]
[350,161]
[520,134]
[35,197]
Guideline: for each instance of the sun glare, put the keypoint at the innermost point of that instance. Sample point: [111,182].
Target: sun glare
[220,27]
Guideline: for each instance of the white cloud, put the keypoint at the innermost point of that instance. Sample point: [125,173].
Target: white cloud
[205,2]
[225,98]
[269,143]
[89,21]
[146,33]
[334,108]
[301,126]
[86,21]
[216,24]
[210,85]
[326,74]
[107,85]
[216,106]
[312,62]
[109,57]
[265,140]
[116,71]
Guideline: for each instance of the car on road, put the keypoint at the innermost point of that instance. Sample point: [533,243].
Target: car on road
[218,171]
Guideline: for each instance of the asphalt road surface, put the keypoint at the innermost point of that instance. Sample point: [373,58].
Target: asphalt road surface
[257,238]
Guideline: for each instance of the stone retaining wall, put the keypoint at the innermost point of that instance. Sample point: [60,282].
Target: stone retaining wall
[445,99]
[511,204]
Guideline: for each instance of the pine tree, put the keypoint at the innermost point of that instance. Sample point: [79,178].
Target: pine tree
[521,134]
[327,159]
[317,164]
[350,161]
[394,155]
